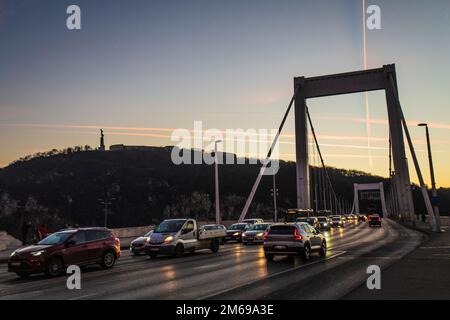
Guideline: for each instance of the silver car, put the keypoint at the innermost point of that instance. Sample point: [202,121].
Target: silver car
[137,246]
[255,233]
[293,239]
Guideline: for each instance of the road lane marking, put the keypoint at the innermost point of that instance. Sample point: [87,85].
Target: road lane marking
[270,276]
[207,266]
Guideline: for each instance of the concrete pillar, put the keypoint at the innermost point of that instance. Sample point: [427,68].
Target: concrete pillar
[356,198]
[301,141]
[403,183]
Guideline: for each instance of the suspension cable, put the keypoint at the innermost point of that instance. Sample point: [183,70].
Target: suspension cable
[321,158]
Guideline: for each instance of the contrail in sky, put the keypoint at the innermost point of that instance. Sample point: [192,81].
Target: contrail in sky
[366,94]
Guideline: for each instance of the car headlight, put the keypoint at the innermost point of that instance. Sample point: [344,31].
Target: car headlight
[168,239]
[37,253]
[325,224]
[236,234]
[260,234]
[244,235]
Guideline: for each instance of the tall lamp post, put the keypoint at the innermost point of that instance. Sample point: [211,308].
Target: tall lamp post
[216,169]
[106,202]
[433,181]
[274,193]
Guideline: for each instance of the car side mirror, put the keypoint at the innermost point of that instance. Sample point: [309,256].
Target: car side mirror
[70,243]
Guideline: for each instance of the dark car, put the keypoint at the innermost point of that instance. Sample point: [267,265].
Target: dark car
[235,231]
[255,233]
[374,220]
[52,255]
[324,223]
[337,221]
[312,221]
[137,246]
[293,239]
[361,218]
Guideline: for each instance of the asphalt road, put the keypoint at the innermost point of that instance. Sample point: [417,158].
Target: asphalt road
[235,272]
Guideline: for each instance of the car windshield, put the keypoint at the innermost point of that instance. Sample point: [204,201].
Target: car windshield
[259,227]
[170,226]
[336,218]
[237,227]
[148,234]
[323,219]
[302,219]
[282,230]
[55,238]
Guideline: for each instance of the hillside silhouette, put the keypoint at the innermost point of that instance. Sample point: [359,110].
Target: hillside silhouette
[142,187]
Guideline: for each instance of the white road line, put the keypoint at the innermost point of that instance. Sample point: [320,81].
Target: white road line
[270,276]
[207,266]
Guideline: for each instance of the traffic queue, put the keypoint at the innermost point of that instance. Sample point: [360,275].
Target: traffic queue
[301,233]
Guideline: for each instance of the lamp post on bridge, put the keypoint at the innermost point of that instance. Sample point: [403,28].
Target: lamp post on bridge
[216,169]
[433,181]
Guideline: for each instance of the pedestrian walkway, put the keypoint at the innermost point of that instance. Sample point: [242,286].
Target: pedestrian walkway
[423,274]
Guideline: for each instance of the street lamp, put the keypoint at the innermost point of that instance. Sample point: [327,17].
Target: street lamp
[216,165]
[433,181]
[106,202]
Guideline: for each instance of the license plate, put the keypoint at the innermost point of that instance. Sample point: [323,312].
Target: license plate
[154,249]
[15,264]
[280,247]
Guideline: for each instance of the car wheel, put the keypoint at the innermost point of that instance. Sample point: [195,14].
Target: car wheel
[306,253]
[55,267]
[323,249]
[109,259]
[269,257]
[179,250]
[215,245]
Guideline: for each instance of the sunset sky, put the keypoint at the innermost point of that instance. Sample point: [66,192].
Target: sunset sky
[139,69]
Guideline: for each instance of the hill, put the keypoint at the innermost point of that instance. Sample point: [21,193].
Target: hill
[142,186]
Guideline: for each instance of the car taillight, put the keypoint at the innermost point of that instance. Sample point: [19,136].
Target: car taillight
[265,236]
[296,235]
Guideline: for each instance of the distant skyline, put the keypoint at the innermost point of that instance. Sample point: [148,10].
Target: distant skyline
[139,69]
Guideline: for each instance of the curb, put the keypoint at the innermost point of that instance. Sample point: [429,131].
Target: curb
[426,232]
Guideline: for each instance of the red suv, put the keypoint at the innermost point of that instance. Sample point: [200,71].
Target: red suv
[52,255]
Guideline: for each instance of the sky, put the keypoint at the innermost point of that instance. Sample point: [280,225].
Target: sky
[140,69]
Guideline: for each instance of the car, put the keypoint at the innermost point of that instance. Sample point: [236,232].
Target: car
[235,231]
[324,223]
[255,233]
[361,217]
[53,254]
[293,239]
[137,246]
[174,237]
[253,221]
[374,220]
[218,230]
[337,221]
[313,221]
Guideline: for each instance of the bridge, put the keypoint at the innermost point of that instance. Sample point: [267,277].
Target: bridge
[241,272]
[400,199]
